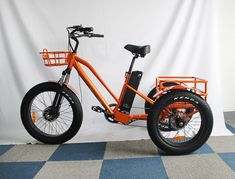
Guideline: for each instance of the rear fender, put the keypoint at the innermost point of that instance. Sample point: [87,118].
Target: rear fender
[166,89]
[175,87]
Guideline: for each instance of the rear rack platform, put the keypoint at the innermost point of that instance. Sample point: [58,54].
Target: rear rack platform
[194,84]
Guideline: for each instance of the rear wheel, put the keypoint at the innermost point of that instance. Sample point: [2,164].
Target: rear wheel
[46,123]
[180,122]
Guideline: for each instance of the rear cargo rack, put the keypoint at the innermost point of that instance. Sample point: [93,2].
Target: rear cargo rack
[194,84]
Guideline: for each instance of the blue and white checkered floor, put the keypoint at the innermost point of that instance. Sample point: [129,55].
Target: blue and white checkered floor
[127,159]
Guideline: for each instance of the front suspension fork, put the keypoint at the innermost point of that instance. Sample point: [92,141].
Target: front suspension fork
[64,79]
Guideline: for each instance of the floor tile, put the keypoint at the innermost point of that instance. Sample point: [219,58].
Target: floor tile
[19,170]
[37,152]
[4,148]
[130,149]
[229,158]
[222,144]
[205,149]
[136,168]
[84,151]
[70,169]
[229,115]
[231,128]
[197,166]
[231,122]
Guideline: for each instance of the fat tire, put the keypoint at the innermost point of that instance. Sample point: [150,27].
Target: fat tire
[70,96]
[202,135]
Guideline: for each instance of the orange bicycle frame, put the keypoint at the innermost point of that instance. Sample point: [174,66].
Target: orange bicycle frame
[75,61]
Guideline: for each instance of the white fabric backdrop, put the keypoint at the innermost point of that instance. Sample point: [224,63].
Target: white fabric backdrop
[182,34]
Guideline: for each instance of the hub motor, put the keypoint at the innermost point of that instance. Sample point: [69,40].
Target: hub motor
[178,120]
[50,114]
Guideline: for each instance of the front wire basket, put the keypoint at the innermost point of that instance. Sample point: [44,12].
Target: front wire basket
[56,58]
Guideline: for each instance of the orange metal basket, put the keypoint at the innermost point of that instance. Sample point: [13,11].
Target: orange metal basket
[55,58]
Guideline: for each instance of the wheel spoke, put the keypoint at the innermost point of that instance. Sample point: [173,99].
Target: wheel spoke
[69,112]
[66,116]
[39,100]
[65,110]
[59,126]
[43,99]
[48,93]
[36,107]
[62,122]
[188,125]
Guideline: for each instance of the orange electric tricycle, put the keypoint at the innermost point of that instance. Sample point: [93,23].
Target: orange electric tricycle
[179,120]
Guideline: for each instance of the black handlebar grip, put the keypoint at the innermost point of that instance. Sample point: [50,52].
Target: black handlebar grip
[98,35]
[86,29]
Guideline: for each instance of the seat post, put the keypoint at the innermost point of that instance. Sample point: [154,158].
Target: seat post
[132,63]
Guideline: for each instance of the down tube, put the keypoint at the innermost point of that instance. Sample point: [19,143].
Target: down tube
[92,87]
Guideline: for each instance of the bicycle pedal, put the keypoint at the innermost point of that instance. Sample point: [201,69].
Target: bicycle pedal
[97,109]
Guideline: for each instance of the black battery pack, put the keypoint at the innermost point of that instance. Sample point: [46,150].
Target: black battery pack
[129,95]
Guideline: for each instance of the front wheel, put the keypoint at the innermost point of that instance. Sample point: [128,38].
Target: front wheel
[44,121]
[180,122]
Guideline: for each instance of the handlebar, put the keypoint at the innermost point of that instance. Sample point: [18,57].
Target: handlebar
[85,30]
[87,35]
[81,29]
[77,31]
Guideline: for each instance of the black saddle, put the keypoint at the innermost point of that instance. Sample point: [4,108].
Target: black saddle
[140,50]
